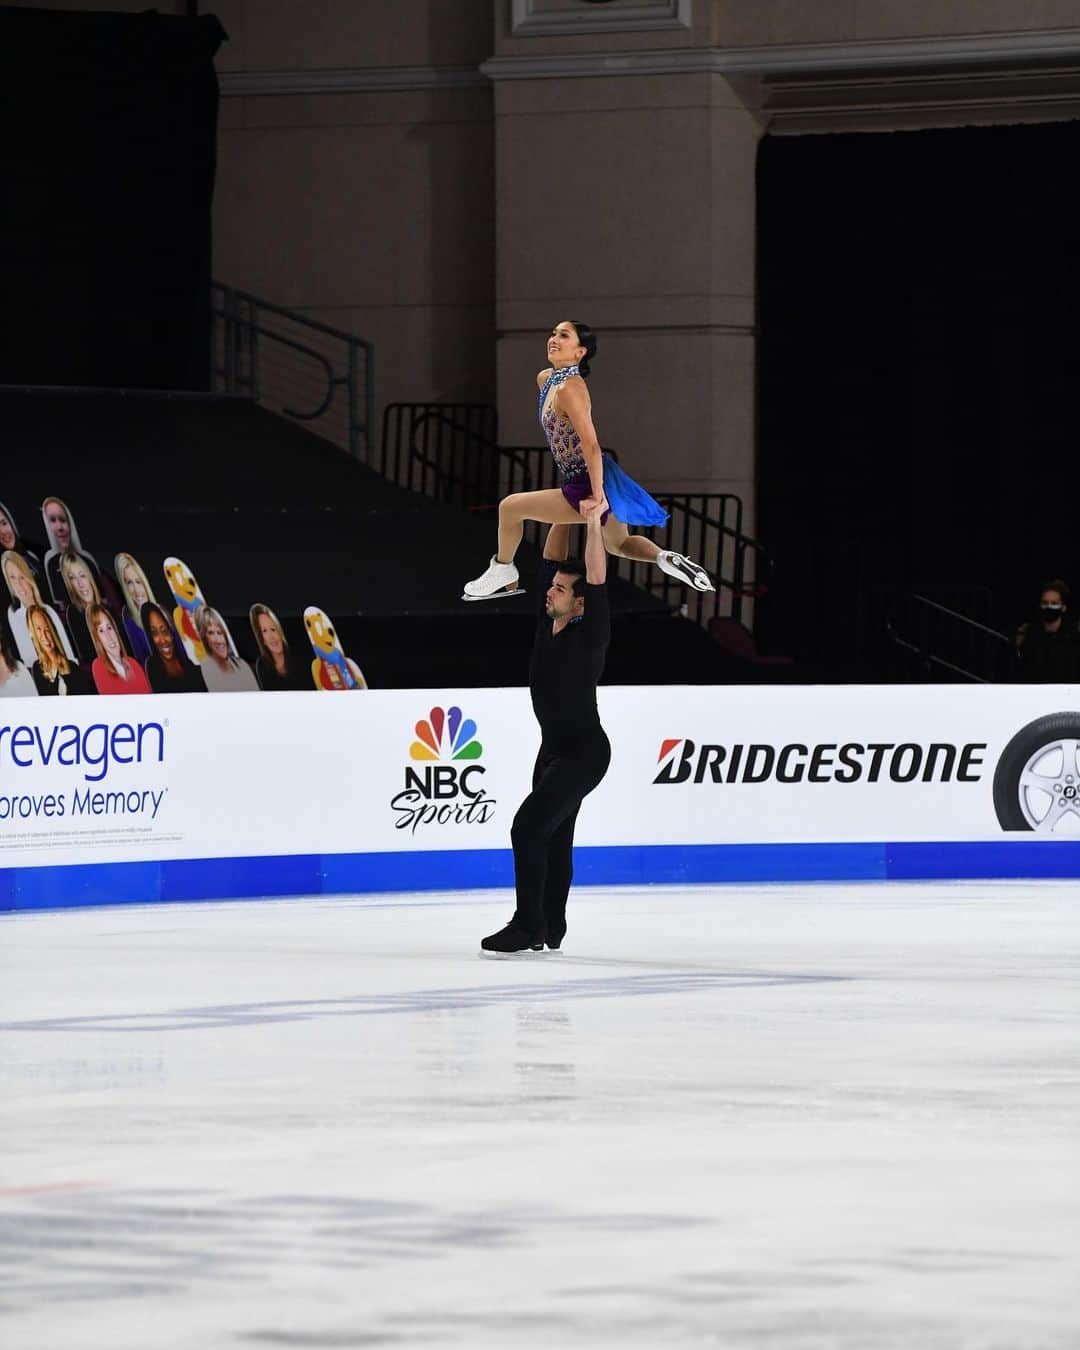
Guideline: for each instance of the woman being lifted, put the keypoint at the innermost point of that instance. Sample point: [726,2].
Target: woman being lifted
[587,476]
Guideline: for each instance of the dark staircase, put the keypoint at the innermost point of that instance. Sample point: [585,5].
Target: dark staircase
[263,510]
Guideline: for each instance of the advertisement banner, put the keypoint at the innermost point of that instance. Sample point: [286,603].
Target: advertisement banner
[417,789]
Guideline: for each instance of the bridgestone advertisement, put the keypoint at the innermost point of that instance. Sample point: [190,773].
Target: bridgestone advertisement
[400,771]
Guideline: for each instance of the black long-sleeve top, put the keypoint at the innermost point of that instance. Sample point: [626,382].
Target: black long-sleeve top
[566,667]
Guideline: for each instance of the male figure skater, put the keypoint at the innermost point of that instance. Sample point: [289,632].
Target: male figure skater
[572,636]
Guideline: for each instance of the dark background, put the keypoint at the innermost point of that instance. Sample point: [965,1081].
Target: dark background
[107,143]
[917,376]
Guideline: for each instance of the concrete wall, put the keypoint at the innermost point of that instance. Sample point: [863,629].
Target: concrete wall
[629,203]
[366,205]
[373,176]
[754,23]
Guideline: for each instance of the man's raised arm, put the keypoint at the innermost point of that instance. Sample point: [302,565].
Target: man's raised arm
[595,553]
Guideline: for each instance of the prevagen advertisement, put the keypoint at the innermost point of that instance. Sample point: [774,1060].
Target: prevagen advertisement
[260,774]
[706,783]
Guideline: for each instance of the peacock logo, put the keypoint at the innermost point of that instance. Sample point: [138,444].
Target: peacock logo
[445,734]
[443,782]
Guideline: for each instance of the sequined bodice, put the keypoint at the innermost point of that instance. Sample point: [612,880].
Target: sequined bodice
[562,439]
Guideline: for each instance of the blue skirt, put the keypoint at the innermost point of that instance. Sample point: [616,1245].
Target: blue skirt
[629,502]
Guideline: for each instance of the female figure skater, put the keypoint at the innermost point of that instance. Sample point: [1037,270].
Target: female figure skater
[588,477]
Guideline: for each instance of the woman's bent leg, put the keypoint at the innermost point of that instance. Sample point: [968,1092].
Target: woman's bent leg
[501,578]
[620,542]
[548,506]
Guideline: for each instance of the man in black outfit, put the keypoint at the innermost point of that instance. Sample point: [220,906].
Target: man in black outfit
[572,636]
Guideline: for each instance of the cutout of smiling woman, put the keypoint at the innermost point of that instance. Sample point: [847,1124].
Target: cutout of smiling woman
[136,590]
[10,538]
[15,678]
[276,666]
[167,667]
[63,541]
[52,671]
[24,591]
[222,668]
[113,671]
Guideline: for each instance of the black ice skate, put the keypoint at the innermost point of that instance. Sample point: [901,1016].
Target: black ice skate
[509,940]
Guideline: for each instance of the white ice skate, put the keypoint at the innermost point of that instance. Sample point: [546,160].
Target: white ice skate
[499,581]
[679,566]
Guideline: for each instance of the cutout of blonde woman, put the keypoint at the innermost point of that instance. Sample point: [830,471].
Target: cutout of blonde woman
[11,540]
[113,671]
[222,669]
[276,667]
[63,542]
[24,591]
[167,667]
[82,592]
[588,478]
[331,669]
[52,671]
[136,590]
[15,679]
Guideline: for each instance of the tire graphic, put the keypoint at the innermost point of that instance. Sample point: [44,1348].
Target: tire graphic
[1037,779]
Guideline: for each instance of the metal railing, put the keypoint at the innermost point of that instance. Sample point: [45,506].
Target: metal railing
[450,451]
[946,642]
[444,450]
[295,366]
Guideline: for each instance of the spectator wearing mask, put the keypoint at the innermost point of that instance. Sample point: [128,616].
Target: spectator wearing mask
[1048,646]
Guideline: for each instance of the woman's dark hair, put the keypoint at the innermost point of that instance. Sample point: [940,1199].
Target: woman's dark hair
[587,338]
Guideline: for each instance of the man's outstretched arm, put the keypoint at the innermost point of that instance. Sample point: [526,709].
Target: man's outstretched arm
[595,553]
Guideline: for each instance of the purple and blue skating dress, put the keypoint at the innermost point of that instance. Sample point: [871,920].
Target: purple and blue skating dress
[629,502]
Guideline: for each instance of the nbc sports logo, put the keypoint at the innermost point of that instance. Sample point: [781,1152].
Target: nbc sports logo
[445,734]
[443,783]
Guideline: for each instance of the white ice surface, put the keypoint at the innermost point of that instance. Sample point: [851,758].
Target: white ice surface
[785,1117]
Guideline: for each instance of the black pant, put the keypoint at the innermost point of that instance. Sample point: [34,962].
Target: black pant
[543,832]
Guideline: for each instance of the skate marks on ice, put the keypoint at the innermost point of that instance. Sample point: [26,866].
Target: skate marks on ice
[217,1016]
[94,1246]
[99,1254]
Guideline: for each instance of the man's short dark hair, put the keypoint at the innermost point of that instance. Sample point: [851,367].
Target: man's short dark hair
[574,567]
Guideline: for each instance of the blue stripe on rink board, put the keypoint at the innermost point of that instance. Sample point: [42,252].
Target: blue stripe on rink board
[29,888]
[999,858]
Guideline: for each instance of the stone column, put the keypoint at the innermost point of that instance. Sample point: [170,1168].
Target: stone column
[625,197]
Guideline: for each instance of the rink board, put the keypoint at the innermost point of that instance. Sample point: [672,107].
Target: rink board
[135,800]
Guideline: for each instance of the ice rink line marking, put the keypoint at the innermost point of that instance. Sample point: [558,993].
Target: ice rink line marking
[367,1005]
